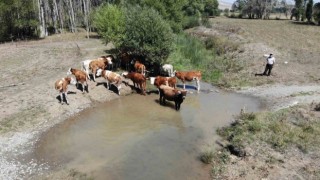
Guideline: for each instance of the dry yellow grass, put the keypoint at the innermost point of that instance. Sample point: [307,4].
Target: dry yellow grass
[292,42]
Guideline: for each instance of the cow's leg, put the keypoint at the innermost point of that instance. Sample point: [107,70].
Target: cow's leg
[87,72]
[198,84]
[65,94]
[61,98]
[94,71]
[177,105]
[119,87]
[87,86]
[108,84]
[82,84]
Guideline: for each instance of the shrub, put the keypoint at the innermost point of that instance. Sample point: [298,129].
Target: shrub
[147,34]
[316,12]
[190,22]
[110,23]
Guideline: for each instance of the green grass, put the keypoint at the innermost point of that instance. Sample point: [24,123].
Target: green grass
[281,129]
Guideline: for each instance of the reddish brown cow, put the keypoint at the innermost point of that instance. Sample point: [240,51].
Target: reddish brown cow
[100,63]
[189,76]
[138,79]
[140,68]
[112,78]
[62,86]
[81,77]
[171,94]
[125,60]
[169,81]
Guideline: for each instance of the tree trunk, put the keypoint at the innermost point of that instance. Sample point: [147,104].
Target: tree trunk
[55,16]
[86,19]
[72,21]
[42,24]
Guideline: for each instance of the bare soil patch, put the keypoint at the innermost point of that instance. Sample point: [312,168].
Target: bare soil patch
[29,102]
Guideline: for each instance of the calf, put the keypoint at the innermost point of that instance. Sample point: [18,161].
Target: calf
[167,70]
[171,94]
[112,78]
[169,81]
[140,68]
[138,79]
[189,76]
[62,86]
[100,63]
[81,77]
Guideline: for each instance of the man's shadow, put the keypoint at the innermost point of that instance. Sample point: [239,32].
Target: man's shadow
[259,74]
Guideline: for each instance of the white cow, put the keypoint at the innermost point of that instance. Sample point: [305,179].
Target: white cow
[167,70]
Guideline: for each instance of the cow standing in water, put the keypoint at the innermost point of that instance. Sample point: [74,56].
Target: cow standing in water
[62,86]
[169,81]
[171,94]
[189,76]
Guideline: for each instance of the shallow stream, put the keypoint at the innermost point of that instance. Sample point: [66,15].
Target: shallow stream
[134,137]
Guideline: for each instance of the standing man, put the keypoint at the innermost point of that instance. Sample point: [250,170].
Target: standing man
[270,62]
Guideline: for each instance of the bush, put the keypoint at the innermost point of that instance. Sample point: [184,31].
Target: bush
[316,12]
[232,15]
[190,22]
[147,34]
[109,20]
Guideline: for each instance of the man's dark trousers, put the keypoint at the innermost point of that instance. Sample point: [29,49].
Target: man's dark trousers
[268,69]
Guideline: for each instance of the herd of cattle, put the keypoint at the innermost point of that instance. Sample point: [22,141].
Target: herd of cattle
[104,66]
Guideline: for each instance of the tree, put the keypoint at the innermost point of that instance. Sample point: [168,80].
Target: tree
[299,9]
[147,34]
[316,12]
[170,10]
[309,10]
[211,7]
[110,23]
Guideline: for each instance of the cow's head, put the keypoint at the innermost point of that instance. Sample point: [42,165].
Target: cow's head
[69,71]
[99,72]
[73,81]
[176,73]
[124,74]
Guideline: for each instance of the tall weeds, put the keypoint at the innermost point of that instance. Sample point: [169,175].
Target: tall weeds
[193,54]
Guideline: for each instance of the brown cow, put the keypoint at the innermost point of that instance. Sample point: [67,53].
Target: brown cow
[62,86]
[140,68]
[171,94]
[100,63]
[169,81]
[189,76]
[125,60]
[81,77]
[112,78]
[138,79]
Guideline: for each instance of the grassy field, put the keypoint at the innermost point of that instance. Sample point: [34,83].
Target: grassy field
[277,145]
[294,44]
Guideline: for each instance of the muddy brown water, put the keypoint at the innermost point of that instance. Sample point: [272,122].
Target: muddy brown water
[134,137]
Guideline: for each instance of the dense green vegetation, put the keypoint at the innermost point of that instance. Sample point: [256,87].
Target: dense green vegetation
[153,30]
